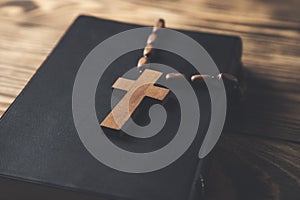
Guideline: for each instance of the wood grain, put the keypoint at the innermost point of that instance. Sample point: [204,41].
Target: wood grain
[137,90]
[263,142]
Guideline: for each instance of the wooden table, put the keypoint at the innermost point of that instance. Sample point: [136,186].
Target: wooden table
[259,156]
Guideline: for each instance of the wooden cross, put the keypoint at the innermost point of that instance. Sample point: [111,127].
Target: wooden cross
[137,90]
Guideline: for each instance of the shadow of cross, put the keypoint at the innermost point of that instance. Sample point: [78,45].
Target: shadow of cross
[136,91]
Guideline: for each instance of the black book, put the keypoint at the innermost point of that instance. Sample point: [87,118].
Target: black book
[41,154]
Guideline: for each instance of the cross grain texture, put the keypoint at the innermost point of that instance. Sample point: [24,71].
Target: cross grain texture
[137,90]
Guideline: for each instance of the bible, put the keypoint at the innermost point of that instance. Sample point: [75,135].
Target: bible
[41,153]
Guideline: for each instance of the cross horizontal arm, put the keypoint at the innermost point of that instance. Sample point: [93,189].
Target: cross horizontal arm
[157,92]
[123,84]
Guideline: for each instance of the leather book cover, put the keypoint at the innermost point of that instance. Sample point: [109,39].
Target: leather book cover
[41,154]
